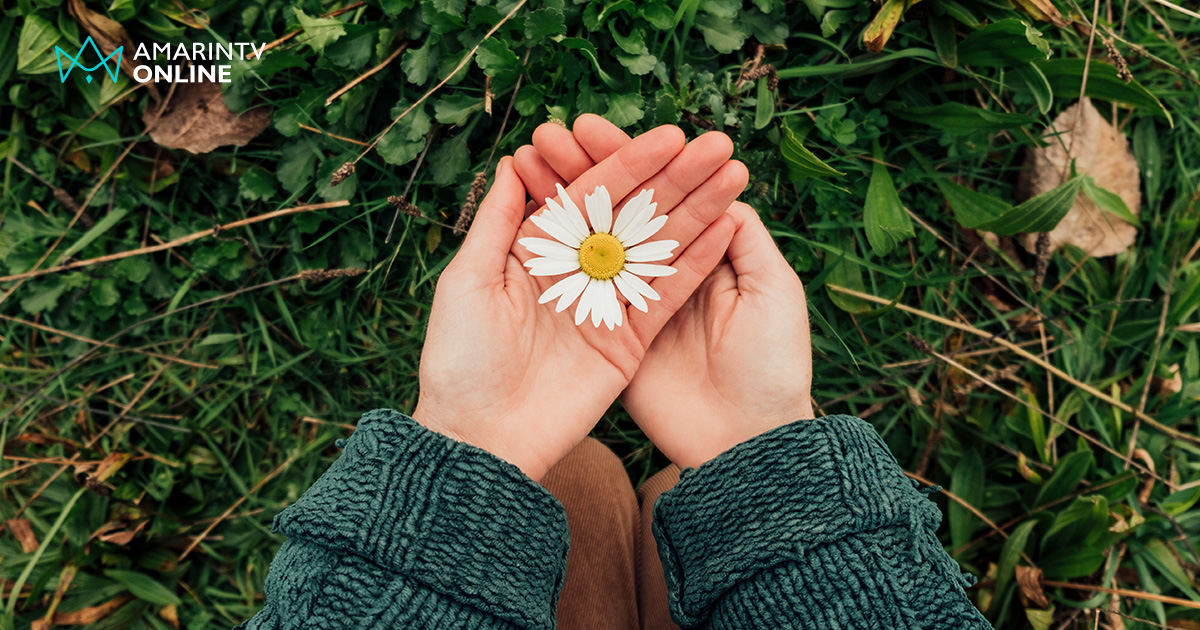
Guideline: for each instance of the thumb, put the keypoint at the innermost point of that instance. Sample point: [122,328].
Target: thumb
[488,242]
[752,252]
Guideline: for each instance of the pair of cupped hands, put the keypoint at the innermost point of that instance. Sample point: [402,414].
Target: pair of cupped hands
[722,357]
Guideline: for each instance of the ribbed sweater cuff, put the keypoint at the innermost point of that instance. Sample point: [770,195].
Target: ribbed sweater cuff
[772,499]
[449,515]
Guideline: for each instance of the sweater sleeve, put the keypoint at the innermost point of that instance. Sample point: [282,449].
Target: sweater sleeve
[810,525]
[410,529]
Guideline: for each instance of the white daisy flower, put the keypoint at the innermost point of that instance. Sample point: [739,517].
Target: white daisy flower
[604,259]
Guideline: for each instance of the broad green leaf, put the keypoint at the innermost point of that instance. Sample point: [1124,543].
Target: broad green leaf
[318,32]
[1180,501]
[1038,85]
[723,35]
[625,109]
[1004,43]
[764,109]
[417,62]
[543,23]
[967,482]
[589,50]
[1108,201]
[959,120]
[1006,569]
[35,46]
[145,587]
[455,109]
[941,30]
[449,160]
[1103,82]
[1149,157]
[296,168]
[256,185]
[971,208]
[1039,214]
[1067,475]
[843,272]
[1040,619]
[42,295]
[637,64]
[800,160]
[886,222]
[1164,559]
[879,30]
[103,225]
[495,57]
[104,292]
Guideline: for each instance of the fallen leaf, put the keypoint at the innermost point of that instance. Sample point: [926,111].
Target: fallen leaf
[118,532]
[1029,579]
[108,35]
[1173,384]
[1099,150]
[24,534]
[197,120]
[91,614]
[170,615]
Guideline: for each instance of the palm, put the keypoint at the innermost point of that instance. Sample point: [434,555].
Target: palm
[497,361]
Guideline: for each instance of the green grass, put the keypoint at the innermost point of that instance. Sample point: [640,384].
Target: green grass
[274,374]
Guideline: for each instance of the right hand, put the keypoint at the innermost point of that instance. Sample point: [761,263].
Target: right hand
[736,360]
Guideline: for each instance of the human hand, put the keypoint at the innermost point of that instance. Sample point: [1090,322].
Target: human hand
[518,379]
[735,361]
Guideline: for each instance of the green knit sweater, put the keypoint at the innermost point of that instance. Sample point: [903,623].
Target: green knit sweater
[811,525]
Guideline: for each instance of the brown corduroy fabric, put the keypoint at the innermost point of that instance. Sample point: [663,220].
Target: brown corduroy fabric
[653,611]
[599,591]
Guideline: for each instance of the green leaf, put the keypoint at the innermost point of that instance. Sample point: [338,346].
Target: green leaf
[1108,201]
[959,120]
[723,35]
[886,222]
[104,292]
[967,482]
[134,269]
[42,296]
[1039,214]
[1180,501]
[543,23]
[256,185]
[449,160]
[589,50]
[1149,157]
[455,109]
[1103,82]
[941,30]
[625,109]
[417,63]
[639,64]
[1067,475]
[296,168]
[1038,85]
[217,339]
[971,208]
[495,57]
[764,109]
[35,46]
[318,32]
[845,273]
[800,160]
[1010,555]
[145,587]
[103,225]
[353,51]
[1004,43]
[1040,619]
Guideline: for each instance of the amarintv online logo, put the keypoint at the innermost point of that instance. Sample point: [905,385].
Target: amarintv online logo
[184,63]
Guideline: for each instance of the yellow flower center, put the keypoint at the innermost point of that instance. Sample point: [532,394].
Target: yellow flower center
[601,256]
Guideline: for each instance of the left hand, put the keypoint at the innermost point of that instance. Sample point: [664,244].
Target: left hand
[517,379]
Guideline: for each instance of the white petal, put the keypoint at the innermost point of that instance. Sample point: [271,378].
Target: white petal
[551,267]
[639,285]
[652,271]
[598,304]
[562,217]
[548,222]
[585,301]
[649,252]
[649,229]
[629,292]
[566,290]
[599,209]
[572,211]
[618,310]
[631,211]
[549,249]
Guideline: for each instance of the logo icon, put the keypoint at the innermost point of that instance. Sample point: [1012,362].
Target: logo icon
[59,53]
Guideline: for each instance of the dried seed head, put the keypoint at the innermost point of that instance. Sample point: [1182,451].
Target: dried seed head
[1117,60]
[326,274]
[1043,259]
[920,344]
[772,78]
[401,204]
[340,175]
[467,213]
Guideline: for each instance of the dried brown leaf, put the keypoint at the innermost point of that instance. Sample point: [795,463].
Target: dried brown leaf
[23,532]
[197,120]
[1043,10]
[1099,150]
[91,614]
[170,615]
[1030,581]
[108,35]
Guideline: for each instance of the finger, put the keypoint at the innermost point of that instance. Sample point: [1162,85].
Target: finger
[692,267]
[623,172]
[561,151]
[598,137]
[705,204]
[539,178]
[491,236]
[752,252]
